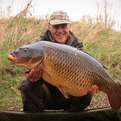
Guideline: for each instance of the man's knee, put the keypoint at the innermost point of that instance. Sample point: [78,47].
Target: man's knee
[25,86]
[28,86]
[78,103]
[33,95]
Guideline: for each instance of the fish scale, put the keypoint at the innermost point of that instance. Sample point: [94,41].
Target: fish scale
[72,71]
[71,76]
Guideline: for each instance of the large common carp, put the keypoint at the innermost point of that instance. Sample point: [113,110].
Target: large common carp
[72,71]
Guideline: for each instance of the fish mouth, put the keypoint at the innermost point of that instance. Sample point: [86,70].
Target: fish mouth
[12,57]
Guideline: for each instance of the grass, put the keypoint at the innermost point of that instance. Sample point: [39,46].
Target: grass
[103,43]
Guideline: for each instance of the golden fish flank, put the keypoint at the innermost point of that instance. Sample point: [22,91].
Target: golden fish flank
[72,71]
[66,72]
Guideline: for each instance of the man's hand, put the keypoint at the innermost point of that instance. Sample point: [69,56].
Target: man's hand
[94,89]
[33,75]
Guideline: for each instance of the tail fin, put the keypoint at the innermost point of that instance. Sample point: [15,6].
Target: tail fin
[114,96]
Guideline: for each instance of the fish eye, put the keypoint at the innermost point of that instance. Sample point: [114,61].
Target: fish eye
[27,52]
[25,49]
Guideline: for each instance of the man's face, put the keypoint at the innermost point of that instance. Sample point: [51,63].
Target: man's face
[60,32]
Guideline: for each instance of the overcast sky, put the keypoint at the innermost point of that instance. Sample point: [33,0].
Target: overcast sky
[75,8]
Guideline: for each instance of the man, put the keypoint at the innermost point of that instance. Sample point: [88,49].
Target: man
[39,95]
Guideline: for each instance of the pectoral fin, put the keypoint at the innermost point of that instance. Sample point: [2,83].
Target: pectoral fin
[61,89]
[34,75]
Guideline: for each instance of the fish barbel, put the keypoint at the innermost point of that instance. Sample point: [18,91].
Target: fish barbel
[72,71]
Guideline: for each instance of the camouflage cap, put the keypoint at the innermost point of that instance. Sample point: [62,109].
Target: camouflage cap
[59,17]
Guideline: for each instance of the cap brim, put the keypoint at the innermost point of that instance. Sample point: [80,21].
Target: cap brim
[57,22]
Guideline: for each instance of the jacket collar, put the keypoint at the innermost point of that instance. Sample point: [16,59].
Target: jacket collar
[48,37]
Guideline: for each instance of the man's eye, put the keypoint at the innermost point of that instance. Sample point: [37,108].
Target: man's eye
[60,26]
